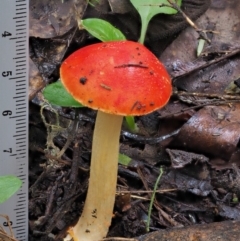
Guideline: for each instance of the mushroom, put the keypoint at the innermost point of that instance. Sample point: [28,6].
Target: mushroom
[116,78]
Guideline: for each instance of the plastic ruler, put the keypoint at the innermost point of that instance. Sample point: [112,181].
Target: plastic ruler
[14,110]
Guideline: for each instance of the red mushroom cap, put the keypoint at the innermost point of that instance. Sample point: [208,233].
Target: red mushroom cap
[121,77]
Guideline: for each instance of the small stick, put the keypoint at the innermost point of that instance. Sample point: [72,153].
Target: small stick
[207,95]
[201,33]
[209,63]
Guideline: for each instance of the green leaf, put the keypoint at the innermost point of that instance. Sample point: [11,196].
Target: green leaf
[92,2]
[200,46]
[153,198]
[102,30]
[148,9]
[124,159]
[56,94]
[8,186]
[132,126]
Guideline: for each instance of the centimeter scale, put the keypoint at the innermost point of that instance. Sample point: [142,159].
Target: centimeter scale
[14,111]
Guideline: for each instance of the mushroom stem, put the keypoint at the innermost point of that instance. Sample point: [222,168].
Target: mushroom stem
[98,209]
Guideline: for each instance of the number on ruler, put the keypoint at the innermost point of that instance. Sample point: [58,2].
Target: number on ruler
[7,112]
[6,73]
[6,224]
[6,34]
[9,150]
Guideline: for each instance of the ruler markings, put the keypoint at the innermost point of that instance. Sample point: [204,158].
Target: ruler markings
[20,201]
[20,215]
[16,227]
[18,109]
[21,163]
[20,230]
[23,180]
[23,119]
[19,93]
[20,233]
[22,57]
[15,41]
[18,100]
[19,77]
[18,38]
[19,136]
[19,17]
[24,32]
[21,194]
[21,86]
[20,205]
[19,209]
[21,53]
[21,61]
[21,14]
[19,65]
[20,89]
[20,157]
[19,226]
[19,131]
[16,116]
[21,108]
[18,139]
[22,111]
[17,97]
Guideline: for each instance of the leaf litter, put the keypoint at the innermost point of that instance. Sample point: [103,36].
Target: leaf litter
[200,184]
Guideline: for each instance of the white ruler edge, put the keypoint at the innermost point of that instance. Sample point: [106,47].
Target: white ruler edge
[14,19]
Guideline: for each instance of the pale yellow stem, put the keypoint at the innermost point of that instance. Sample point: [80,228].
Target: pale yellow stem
[98,209]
